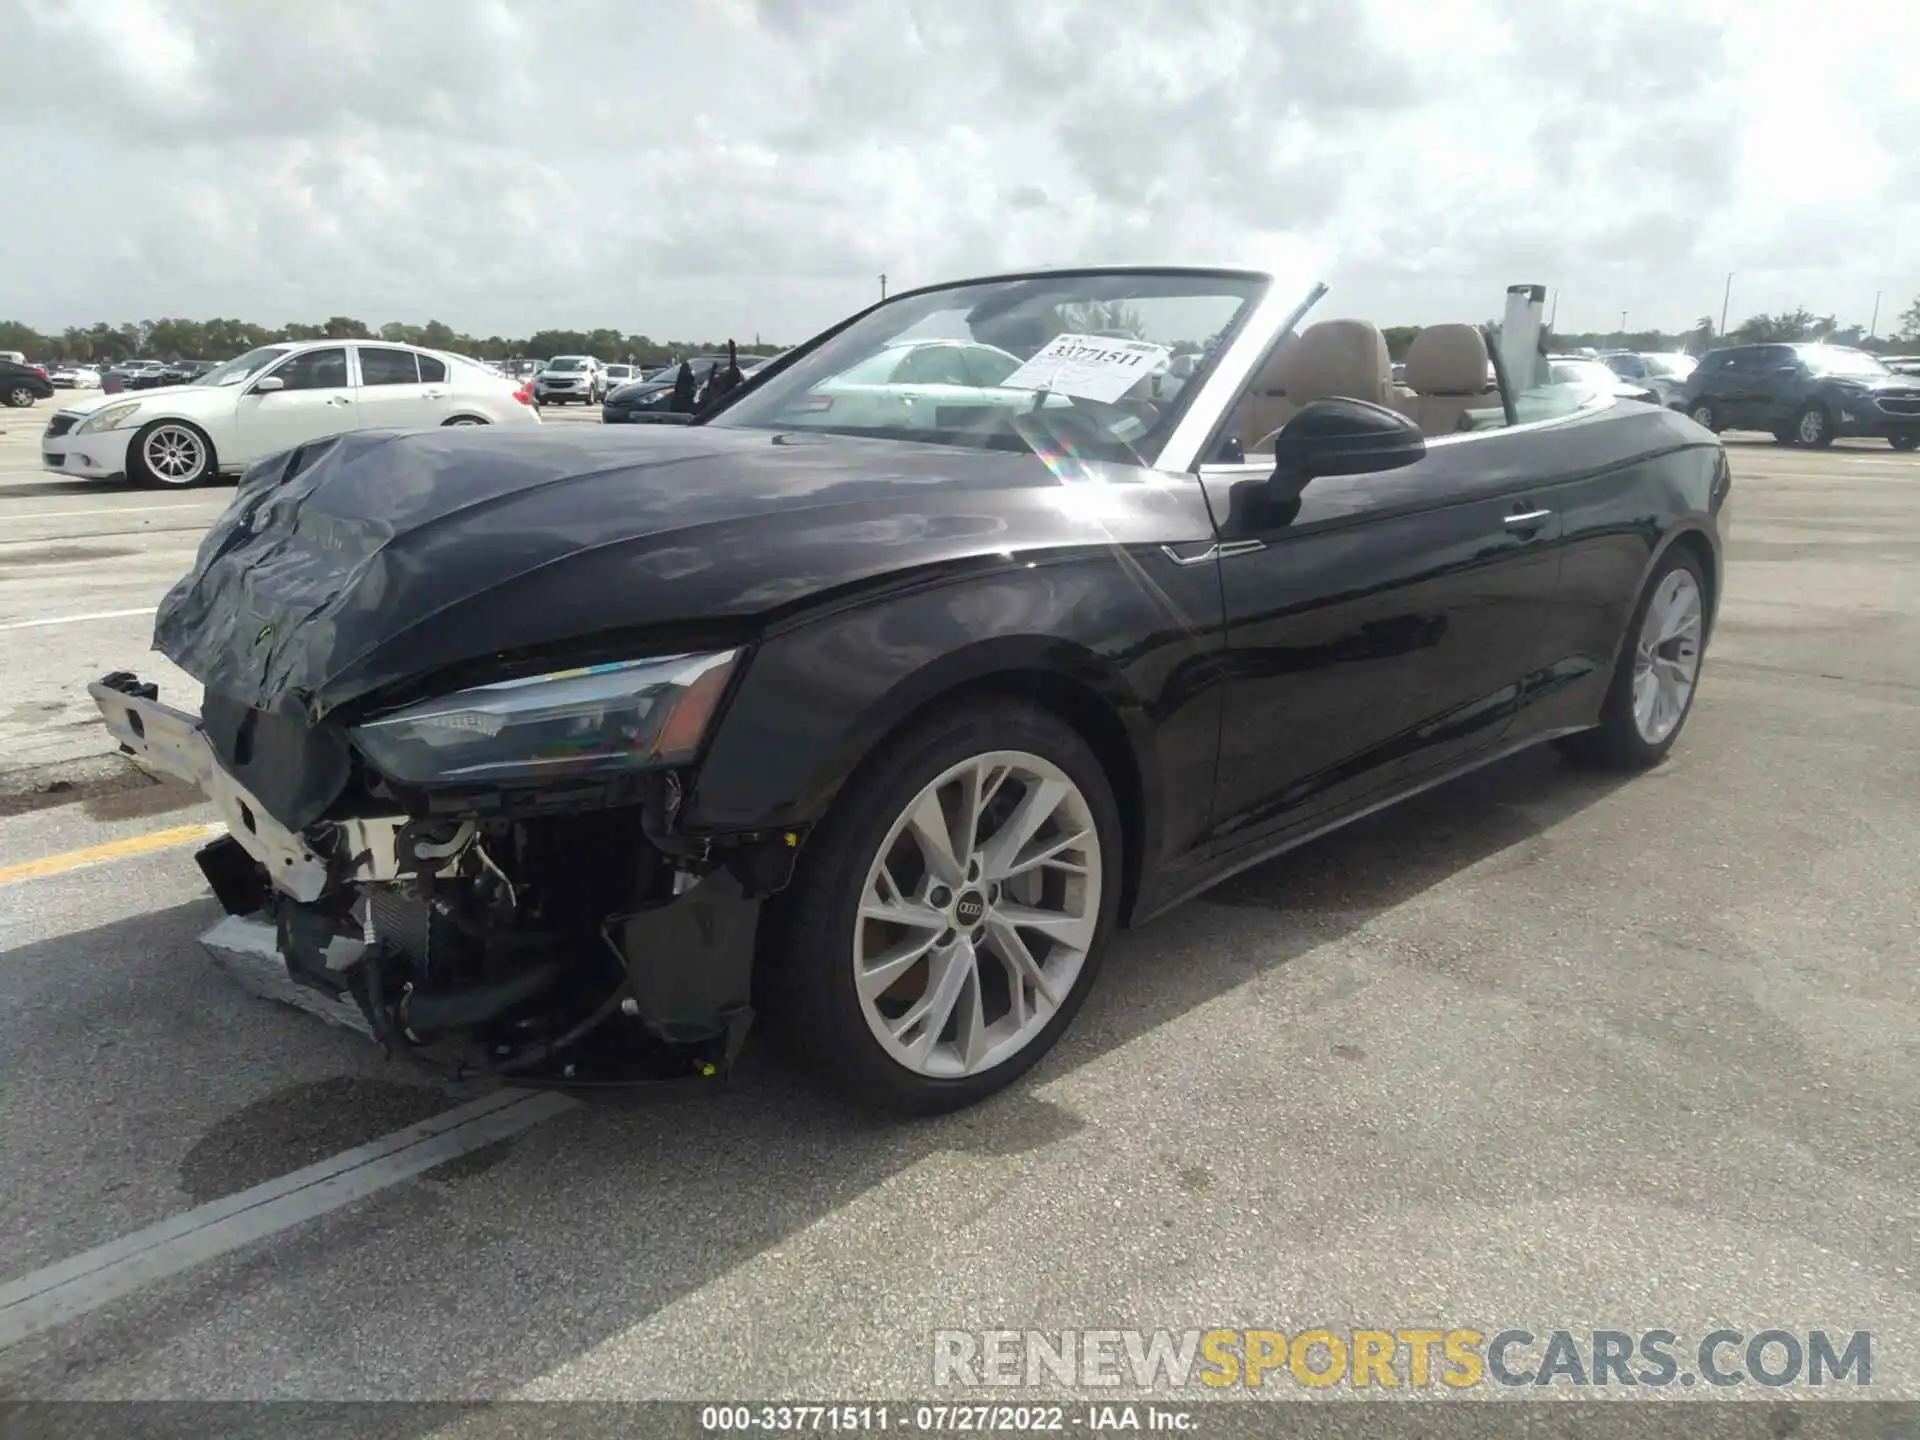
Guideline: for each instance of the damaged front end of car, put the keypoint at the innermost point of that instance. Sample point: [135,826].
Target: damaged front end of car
[494,882]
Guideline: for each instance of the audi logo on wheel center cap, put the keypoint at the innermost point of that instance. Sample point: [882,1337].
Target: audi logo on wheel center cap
[968,909]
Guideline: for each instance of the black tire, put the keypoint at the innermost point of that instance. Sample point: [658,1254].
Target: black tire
[804,986]
[1705,412]
[1904,442]
[1783,437]
[1813,427]
[19,397]
[1616,742]
[456,421]
[141,473]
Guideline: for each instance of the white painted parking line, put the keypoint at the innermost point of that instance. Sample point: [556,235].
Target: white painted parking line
[78,619]
[104,512]
[74,1287]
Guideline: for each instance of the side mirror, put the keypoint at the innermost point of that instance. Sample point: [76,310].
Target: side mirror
[1338,436]
[270,384]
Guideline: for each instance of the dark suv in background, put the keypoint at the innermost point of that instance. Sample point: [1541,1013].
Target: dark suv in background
[1804,394]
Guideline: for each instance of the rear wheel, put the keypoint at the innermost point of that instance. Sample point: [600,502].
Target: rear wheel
[461,420]
[1658,672]
[950,914]
[170,453]
[19,397]
[1903,442]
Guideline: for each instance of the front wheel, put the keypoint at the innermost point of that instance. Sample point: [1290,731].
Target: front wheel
[949,916]
[19,397]
[1702,412]
[1813,428]
[1904,442]
[1659,669]
[170,453]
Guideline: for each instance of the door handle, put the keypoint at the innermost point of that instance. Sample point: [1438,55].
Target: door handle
[1527,520]
[338,400]
[436,394]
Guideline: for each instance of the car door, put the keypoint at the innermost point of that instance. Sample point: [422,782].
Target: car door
[1739,391]
[1380,628]
[1782,384]
[391,395]
[316,399]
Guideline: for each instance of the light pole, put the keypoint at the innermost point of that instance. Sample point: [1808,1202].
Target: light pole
[1726,300]
[1623,327]
[1873,325]
[883,285]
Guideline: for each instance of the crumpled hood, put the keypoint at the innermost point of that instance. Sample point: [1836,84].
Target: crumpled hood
[372,559]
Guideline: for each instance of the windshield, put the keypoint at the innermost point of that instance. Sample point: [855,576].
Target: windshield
[1094,361]
[242,368]
[1669,367]
[567,362]
[1834,361]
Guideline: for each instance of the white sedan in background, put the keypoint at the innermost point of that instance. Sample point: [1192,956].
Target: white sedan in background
[273,399]
[75,377]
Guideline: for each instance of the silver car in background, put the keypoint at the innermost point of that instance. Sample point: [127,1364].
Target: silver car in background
[1665,375]
[570,379]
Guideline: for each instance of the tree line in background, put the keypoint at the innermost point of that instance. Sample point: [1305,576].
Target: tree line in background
[223,339]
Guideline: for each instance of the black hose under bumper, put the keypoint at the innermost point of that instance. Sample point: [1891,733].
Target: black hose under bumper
[436,1012]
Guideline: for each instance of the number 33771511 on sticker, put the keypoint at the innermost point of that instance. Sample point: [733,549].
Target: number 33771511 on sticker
[1089,367]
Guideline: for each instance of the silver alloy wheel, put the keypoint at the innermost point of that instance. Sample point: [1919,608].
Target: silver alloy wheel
[174,454]
[1813,427]
[20,397]
[1666,658]
[977,914]
[1703,415]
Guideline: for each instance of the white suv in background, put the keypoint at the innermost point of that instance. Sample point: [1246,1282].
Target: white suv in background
[570,378]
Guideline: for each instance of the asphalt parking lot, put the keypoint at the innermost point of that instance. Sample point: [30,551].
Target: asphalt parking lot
[1537,1050]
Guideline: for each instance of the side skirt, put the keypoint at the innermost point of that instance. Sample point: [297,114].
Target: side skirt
[1236,862]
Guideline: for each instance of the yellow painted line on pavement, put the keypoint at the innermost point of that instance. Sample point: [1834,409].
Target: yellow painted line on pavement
[113,850]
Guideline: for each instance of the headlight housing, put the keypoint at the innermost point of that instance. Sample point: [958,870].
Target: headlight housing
[600,719]
[111,418]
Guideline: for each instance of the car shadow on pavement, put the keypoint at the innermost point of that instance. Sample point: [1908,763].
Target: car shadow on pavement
[487,1275]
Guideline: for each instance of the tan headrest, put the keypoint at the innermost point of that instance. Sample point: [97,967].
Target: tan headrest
[1274,375]
[1339,357]
[1447,360]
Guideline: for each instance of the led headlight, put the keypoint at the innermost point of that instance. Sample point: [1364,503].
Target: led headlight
[595,720]
[111,418]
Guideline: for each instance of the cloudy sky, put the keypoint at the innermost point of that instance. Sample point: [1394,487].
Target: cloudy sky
[693,168]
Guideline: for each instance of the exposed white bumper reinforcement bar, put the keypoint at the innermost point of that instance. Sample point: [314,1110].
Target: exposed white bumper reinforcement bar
[173,743]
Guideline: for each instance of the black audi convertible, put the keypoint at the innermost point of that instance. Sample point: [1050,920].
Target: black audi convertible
[864,707]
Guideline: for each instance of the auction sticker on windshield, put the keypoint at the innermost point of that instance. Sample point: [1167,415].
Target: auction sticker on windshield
[1089,367]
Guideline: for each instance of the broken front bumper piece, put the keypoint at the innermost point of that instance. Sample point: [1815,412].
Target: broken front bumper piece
[688,961]
[173,743]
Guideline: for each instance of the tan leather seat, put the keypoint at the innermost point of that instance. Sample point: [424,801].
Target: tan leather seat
[1266,405]
[1447,372]
[1335,357]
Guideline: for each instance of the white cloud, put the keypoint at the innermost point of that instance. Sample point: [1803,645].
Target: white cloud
[742,167]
